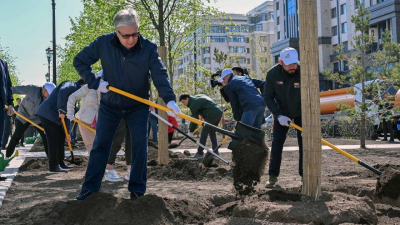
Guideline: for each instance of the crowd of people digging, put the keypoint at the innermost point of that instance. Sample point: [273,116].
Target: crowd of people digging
[108,114]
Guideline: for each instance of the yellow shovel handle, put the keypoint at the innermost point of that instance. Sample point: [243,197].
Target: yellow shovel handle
[330,145]
[227,137]
[163,108]
[30,121]
[197,129]
[66,134]
[84,125]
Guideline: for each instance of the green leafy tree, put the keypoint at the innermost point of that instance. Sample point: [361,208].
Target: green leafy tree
[364,56]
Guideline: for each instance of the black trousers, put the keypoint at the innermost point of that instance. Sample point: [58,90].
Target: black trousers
[7,130]
[278,140]
[56,138]
[20,129]
[170,135]
[122,132]
[209,132]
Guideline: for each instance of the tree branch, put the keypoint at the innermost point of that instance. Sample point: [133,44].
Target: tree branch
[148,9]
[171,10]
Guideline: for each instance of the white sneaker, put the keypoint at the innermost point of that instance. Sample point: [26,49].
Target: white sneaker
[128,175]
[112,176]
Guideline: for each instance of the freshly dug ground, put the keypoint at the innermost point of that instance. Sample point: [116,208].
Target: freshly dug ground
[349,195]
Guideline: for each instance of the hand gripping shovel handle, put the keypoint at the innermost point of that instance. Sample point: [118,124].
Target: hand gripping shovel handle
[165,109]
[30,121]
[343,152]
[186,135]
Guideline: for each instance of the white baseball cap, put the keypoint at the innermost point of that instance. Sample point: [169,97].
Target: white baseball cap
[49,87]
[289,56]
[225,73]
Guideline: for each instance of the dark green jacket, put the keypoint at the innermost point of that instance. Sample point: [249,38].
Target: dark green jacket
[282,92]
[204,106]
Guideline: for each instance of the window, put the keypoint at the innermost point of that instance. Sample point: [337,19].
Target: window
[358,2]
[206,60]
[344,27]
[279,35]
[277,20]
[217,29]
[263,38]
[333,49]
[345,66]
[237,49]
[291,7]
[343,9]
[218,38]
[336,67]
[277,6]
[345,46]
[206,50]
[333,13]
[236,39]
[247,60]
[259,27]
[334,31]
[247,50]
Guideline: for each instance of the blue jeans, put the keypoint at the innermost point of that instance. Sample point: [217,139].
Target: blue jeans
[254,117]
[278,140]
[106,127]
[73,131]
[154,127]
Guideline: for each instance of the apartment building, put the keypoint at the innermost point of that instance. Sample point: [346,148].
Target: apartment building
[234,35]
[334,27]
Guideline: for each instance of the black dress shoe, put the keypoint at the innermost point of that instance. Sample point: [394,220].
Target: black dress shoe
[58,170]
[64,166]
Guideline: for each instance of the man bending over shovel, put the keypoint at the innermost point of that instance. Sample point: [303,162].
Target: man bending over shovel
[211,112]
[128,60]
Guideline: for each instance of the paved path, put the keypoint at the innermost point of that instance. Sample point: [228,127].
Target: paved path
[12,169]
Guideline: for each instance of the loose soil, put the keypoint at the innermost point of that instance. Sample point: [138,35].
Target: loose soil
[348,194]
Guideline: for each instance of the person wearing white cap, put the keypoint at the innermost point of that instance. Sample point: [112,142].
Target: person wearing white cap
[34,96]
[244,97]
[282,96]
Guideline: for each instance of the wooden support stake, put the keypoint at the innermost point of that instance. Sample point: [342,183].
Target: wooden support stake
[310,105]
[163,156]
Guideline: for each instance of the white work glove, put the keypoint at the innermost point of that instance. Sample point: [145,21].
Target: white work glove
[284,120]
[175,108]
[70,116]
[190,134]
[103,86]
[170,113]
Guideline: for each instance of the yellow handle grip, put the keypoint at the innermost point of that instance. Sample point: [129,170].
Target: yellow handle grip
[30,121]
[66,134]
[84,125]
[227,137]
[330,145]
[197,129]
[155,105]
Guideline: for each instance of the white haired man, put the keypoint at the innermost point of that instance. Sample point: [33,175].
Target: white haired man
[128,61]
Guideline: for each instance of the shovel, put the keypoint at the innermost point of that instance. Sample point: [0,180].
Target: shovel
[177,145]
[343,152]
[187,136]
[209,158]
[30,121]
[242,130]
[73,160]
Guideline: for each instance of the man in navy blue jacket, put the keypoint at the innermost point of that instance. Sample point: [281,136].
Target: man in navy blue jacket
[6,97]
[129,61]
[243,95]
[50,113]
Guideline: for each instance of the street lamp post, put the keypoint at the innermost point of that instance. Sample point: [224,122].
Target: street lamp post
[54,42]
[48,54]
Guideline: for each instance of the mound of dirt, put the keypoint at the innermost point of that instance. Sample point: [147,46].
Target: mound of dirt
[37,146]
[152,154]
[36,164]
[286,207]
[186,169]
[249,158]
[388,187]
[104,208]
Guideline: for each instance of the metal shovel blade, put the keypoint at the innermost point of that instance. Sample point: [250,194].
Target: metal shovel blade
[243,130]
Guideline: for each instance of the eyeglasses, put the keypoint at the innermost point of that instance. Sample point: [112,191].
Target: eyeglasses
[127,36]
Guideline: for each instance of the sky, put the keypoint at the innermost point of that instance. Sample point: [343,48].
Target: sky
[26,29]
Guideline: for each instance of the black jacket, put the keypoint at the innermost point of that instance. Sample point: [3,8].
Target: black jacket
[243,95]
[129,71]
[282,92]
[5,85]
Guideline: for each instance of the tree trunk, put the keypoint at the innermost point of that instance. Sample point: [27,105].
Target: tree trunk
[310,103]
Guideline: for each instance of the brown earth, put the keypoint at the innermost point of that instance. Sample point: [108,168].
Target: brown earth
[348,194]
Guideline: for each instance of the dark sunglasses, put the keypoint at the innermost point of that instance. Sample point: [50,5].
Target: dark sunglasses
[127,36]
